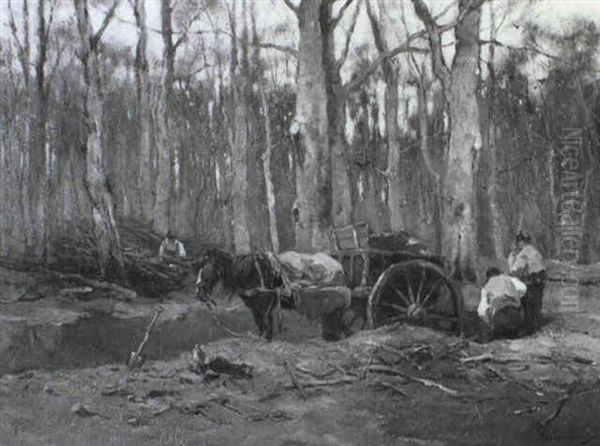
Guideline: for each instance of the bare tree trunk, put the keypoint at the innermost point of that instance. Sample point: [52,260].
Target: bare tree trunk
[313,171]
[271,203]
[239,147]
[26,201]
[423,87]
[239,193]
[110,258]
[146,200]
[459,231]
[38,173]
[397,186]
[36,153]
[459,225]
[162,204]
[497,220]
[223,184]
[341,202]
[23,48]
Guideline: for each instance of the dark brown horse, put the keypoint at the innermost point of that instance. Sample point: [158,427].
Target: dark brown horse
[253,278]
[258,280]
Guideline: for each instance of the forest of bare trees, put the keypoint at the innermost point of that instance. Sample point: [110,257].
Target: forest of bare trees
[264,134]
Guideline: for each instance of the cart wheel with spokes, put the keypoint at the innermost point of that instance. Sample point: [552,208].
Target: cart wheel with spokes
[416,291]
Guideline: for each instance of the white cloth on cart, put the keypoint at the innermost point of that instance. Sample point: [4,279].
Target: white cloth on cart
[312,270]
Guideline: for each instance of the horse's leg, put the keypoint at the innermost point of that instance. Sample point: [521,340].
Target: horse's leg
[279,313]
[330,326]
[270,314]
[257,314]
[269,327]
[259,321]
[349,317]
[275,317]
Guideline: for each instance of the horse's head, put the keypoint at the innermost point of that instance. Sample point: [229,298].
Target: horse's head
[213,270]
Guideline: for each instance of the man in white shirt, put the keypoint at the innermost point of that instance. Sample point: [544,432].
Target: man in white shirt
[500,304]
[528,265]
[171,248]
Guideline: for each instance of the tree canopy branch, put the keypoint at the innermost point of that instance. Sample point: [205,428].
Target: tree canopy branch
[380,43]
[273,46]
[440,68]
[59,51]
[534,49]
[290,5]
[184,33]
[349,35]
[404,48]
[13,28]
[50,20]
[22,47]
[335,20]
[107,18]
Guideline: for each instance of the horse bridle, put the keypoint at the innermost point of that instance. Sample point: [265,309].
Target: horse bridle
[220,271]
[220,276]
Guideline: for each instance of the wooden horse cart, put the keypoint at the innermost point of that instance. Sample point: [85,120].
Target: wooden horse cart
[394,278]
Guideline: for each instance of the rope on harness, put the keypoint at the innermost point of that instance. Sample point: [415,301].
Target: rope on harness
[260,273]
[227,330]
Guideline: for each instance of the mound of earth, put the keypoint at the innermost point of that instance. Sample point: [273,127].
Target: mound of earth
[398,385]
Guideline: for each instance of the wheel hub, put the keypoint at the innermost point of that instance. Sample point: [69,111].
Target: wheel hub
[414,311]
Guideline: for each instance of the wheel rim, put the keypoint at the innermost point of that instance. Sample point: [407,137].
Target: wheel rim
[416,292]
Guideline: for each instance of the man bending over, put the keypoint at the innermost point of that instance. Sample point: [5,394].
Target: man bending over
[500,304]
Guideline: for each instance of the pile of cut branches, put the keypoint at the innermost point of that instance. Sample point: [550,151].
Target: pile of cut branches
[145,272]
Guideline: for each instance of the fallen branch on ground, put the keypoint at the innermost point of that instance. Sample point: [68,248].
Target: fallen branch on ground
[295,381]
[561,404]
[420,348]
[397,349]
[340,369]
[391,386]
[384,369]
[486,357]
[505,377]
[426,382]
[127,293]
[369,362]
[24,296]
[329,382]
[529,409]
[430,383]
[314,374]
[75,290]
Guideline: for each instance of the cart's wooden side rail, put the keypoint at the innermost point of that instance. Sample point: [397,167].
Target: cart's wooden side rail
[350,237]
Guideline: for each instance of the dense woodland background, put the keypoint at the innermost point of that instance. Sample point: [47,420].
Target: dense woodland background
[260,134]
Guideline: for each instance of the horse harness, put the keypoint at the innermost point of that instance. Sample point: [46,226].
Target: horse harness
[276,299]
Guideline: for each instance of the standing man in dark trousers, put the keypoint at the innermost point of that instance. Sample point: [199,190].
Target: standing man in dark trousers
[527,264]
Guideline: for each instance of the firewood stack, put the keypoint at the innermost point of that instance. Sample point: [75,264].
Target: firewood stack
[144,270]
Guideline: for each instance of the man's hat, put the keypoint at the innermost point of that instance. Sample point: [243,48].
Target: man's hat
[492,272]
[523,237]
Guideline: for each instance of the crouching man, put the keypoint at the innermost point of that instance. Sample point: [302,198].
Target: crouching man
[500,304]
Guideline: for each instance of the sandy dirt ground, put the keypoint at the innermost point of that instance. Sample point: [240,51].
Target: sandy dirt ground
[397,385]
